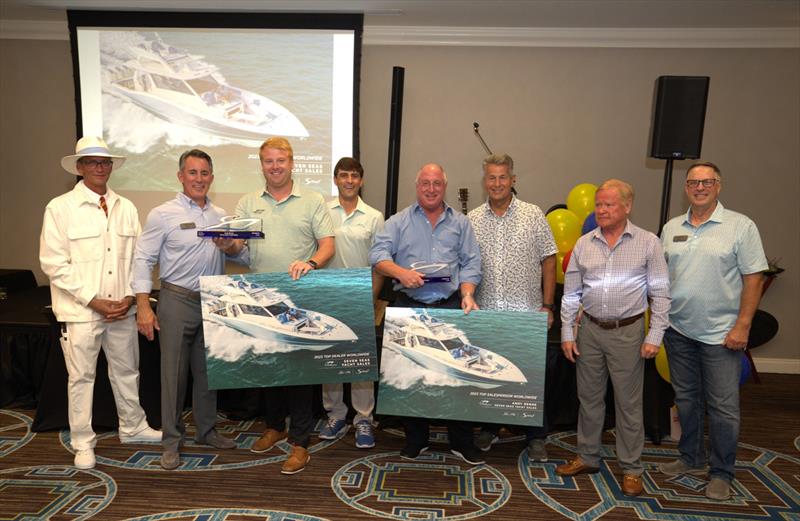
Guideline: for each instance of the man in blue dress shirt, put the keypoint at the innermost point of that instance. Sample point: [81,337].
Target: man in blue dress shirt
[170,239]
[430,232]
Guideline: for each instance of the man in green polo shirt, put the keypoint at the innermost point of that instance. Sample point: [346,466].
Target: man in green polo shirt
[299,238]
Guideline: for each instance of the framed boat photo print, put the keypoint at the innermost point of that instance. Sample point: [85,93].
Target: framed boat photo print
[488,366]
[265,330]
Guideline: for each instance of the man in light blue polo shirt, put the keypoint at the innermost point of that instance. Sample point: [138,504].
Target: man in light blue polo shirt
[716,261]
[355,225]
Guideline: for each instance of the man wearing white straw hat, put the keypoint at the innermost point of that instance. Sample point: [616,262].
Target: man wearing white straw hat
[86,249]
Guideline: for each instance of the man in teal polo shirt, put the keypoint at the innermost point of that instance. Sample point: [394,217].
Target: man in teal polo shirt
[299,238]
[716,261]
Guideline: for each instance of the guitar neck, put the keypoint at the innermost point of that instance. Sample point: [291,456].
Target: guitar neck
[463,196]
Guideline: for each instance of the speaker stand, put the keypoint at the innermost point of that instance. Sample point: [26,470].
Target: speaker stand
[666,191]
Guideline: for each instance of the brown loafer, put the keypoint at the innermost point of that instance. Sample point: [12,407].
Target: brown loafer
[268,440]
[575,467]
[631,485]
[296,461]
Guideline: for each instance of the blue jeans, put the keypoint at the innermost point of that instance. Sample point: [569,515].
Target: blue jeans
[705,375]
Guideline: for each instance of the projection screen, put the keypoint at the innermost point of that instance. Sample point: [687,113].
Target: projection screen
[156,84]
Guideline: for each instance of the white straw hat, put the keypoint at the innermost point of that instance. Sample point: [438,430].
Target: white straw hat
[89,146]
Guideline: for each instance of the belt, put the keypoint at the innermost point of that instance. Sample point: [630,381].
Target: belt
[453,298]
[614,324]
[180,289]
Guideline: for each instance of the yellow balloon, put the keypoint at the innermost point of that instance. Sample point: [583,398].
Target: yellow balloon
[662,364]
[566,228]
[580,200]
[559,269]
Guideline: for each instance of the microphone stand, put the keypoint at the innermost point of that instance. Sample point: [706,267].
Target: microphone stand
[475,126]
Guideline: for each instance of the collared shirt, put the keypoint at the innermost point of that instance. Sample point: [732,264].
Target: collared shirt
[86,254]
[354,233]
[615,283]
[706,264]
[513,247]
[408,238]
[291,227]
[170,239]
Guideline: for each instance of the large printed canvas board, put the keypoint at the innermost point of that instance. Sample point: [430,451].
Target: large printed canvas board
[488,366]
[265,330]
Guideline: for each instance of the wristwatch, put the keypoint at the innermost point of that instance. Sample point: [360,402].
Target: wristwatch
[312,263]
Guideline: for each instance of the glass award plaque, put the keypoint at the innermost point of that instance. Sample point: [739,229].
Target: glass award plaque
[233,227]
[432,271]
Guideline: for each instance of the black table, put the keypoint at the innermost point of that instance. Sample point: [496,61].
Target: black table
[33,373]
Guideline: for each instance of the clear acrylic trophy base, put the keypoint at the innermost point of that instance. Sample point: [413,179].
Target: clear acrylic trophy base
[233,227]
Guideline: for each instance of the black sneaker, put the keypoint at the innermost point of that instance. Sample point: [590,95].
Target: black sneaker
[412,451]
[469,454]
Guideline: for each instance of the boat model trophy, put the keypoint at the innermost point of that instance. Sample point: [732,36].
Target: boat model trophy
[233,227]
[432,271]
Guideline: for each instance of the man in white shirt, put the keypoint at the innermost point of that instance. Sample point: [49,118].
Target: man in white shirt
[355,225]
[86,249]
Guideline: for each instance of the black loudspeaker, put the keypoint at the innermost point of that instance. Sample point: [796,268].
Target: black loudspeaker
[679,116]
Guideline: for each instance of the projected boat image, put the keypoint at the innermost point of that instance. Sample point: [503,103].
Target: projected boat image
[267,314]
[183,89]
[439,346]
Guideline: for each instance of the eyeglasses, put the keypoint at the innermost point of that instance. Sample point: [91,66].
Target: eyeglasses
[429,184]
[707,183]
[97,163]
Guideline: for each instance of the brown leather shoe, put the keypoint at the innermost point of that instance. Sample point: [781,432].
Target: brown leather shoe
[268,440]
[296,461]
[575,467]
[631,485]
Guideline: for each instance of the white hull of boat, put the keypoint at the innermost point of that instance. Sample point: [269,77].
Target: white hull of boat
[285,124]
[510,374]
[298,340]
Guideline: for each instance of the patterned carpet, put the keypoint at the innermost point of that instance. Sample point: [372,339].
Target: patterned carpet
[342,482]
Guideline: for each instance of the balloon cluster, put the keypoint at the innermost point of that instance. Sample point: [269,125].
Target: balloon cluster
[571,222]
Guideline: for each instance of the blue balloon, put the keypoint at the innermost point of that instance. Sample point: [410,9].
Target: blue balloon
[746,369]
[589,224]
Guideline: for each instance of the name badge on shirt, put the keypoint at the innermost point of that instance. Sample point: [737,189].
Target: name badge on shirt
[188,226]
[680,238]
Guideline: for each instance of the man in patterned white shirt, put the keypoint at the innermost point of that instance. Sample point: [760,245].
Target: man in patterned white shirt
[519,266]
[613,272]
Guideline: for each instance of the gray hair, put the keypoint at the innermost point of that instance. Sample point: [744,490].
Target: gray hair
[437,165]
[195,152]
[500,160]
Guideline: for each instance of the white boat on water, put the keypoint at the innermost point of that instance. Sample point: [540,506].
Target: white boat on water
[183,89]
[441,347]
[267,314]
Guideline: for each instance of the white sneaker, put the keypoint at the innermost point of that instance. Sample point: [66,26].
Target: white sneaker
[84,459]
[144,436]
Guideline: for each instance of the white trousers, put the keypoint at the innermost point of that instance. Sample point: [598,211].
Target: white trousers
[362,396]
[81,345]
